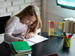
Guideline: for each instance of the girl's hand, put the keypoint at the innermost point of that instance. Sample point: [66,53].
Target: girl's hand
[21,40]
[27,36]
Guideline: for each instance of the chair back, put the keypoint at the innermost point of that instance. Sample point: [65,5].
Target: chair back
[3,20]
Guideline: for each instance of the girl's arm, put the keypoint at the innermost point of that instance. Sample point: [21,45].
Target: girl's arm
[9,30]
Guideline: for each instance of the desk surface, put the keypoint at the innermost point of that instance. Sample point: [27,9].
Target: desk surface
[52,45]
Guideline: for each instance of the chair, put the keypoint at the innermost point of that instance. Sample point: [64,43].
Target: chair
[51,28]
[3,20]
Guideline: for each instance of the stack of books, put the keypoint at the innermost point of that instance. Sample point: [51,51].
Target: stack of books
[20,48]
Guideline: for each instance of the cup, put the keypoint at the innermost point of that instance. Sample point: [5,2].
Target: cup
[67,42]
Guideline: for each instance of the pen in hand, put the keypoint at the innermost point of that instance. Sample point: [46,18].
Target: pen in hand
[24,39]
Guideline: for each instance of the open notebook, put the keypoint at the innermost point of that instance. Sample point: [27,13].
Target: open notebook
[31,41]
[36,39]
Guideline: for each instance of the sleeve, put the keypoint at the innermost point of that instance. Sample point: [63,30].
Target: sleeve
[9,30]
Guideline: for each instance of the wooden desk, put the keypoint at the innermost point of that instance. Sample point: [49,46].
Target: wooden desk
[53,45]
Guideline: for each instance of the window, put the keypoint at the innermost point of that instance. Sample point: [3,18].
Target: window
[66,3]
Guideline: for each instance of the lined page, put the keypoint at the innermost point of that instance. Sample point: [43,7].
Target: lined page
[37,39]
[30,43]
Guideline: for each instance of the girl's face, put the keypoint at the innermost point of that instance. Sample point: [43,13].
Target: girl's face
[28,20]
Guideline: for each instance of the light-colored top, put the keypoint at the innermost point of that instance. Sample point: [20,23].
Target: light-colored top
[14,30]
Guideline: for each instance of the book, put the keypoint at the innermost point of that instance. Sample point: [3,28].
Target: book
[21,46]
[19,54]
[36,39]
[14,53]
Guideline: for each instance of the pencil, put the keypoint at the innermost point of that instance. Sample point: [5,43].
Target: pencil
[23,38]
[65,39]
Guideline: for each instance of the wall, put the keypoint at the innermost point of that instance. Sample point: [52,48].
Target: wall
[12,7]
[56,13]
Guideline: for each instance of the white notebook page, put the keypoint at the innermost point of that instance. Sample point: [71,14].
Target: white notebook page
[36,39]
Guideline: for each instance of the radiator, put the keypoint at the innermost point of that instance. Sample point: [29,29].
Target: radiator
[70,25]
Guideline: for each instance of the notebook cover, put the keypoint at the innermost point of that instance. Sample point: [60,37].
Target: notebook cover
[21,46]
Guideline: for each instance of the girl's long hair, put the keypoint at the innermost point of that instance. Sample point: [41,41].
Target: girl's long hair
[30,10]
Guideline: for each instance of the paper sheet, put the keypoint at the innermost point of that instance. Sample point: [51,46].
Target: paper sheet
[30,43]
[36,39]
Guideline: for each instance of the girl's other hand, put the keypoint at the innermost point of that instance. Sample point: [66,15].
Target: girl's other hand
[27,36]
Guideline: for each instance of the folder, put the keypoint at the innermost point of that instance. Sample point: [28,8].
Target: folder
[21,46]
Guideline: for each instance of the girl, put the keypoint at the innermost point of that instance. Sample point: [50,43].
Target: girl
[28,21]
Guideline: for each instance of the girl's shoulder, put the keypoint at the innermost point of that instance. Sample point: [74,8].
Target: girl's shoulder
[14,19]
